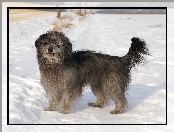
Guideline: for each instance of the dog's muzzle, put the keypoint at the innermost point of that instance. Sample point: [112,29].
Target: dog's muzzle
[50,51]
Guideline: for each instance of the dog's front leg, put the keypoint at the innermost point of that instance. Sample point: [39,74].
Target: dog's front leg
[52,104]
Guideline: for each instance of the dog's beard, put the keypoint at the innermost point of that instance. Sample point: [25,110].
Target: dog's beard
[53,58]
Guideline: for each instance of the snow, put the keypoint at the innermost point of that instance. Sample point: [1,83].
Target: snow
[106,33]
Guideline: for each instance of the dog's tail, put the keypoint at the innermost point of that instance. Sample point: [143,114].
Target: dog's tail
[136,53]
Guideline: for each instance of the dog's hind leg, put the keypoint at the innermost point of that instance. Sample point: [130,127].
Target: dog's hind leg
[100,98]
[120,104]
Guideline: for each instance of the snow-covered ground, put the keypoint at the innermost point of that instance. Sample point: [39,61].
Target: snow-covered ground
[110,34]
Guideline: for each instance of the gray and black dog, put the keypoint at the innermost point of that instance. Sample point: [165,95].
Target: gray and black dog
[64,72]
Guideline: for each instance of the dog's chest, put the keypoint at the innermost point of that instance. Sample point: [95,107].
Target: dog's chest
[50,80]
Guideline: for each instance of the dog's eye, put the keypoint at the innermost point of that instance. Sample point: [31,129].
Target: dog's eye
[58,46]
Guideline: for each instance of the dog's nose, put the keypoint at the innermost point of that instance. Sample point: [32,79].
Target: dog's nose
[50,49]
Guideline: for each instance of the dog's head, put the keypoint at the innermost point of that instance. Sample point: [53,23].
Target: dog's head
[53,47]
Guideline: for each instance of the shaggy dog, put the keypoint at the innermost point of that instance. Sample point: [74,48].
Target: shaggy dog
[64,73]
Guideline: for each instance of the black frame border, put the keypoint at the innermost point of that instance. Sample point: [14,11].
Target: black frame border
[8,8]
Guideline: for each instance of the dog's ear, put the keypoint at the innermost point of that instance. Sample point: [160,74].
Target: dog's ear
[37,43]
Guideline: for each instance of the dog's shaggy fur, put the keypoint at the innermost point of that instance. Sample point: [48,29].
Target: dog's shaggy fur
[64,73]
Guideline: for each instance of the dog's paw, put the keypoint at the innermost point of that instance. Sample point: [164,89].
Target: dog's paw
[65,112]
[98,105]
[116,112]
[49,109]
